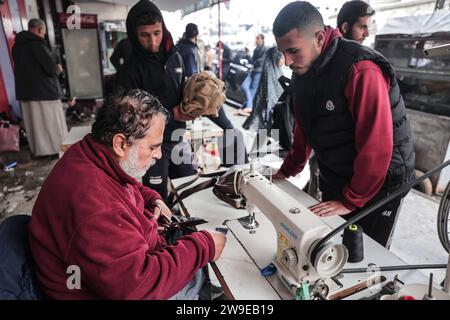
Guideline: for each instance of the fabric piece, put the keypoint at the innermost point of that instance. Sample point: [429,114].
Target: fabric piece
[203,95]
[45,125]
[9,137]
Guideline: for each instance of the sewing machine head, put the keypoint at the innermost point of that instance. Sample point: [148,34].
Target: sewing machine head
[298,231]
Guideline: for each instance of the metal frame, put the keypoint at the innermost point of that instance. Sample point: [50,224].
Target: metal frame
[443,219]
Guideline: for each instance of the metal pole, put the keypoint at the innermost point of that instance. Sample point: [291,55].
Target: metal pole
[395,268]
[220,42]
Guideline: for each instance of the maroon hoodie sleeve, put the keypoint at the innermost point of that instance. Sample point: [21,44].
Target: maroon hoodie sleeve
[116,261]
[367,93]
[149,195]
[299,153]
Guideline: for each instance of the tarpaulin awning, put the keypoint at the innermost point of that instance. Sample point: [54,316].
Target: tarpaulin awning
[420,25]
[186,6]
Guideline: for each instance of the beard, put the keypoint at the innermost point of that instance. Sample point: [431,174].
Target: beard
[131,165]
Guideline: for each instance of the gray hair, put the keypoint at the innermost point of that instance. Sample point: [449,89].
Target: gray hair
[36,23]
[128,113]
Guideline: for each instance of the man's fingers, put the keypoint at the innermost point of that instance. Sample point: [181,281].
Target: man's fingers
[326,214]
[324,210]
[318,206]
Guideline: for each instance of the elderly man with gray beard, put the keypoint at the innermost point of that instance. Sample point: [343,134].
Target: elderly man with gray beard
[94,217]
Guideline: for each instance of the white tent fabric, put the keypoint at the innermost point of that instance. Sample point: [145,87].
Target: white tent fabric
[421,25]
[186,6]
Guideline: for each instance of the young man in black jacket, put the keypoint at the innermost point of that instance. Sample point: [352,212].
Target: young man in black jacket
[156,67]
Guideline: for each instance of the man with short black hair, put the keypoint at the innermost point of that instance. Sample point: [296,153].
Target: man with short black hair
[93,214]
[354,20]
[349,110]
[187,47]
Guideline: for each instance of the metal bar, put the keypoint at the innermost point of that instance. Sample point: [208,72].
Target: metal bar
[395,268]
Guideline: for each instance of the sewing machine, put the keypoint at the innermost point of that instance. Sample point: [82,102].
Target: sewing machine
[298,231]
[249,250]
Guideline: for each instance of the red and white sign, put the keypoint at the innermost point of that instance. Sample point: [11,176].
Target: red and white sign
[85,21]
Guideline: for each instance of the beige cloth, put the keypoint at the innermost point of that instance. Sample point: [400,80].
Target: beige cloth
[203,95]
[45,125]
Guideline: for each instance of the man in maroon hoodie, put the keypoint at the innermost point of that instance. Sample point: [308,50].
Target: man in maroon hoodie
[94,230]
[349,110]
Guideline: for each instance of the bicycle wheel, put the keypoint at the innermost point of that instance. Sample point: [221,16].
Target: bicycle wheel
[443,219]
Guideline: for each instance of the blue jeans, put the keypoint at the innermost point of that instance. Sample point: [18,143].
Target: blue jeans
[249,86]
[192,289]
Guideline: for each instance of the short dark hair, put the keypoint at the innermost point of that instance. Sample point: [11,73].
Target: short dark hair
[261,36]
[126,112]
[191,30]
[351,11]
[297,15]
[148,18]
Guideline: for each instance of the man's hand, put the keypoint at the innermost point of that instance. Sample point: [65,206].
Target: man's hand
[59,69]
[160,207]
[180,116]
[219,242]
[329,208]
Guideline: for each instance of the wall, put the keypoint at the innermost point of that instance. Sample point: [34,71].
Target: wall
[13,17]
[431,135]
[32,9]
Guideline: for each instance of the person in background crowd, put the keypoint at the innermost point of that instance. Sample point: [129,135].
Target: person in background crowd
[354,20]
[251,83]
[269,90]
[38,90]
[187,47]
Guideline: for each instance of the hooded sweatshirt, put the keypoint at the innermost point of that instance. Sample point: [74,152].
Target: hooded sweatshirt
[35,70]
[367,93]
[92,215]
[155,73]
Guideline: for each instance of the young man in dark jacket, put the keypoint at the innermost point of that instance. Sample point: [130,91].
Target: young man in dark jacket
[187,48]
[156,67]
[37,88]
[349,110]
[95,231]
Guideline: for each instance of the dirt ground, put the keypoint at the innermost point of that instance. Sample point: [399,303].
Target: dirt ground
[19,188]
